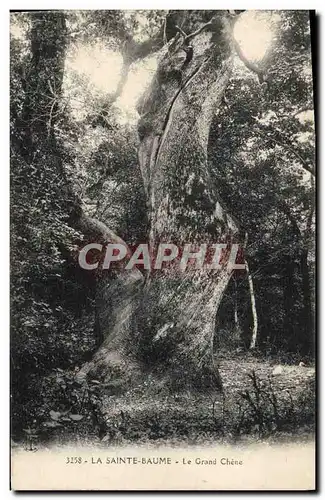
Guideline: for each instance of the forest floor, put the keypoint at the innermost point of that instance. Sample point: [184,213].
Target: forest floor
[262,400]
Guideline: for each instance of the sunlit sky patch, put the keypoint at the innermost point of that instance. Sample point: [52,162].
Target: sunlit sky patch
[306,116]
[16,30]
[253,31]
[138,80]
[102,67]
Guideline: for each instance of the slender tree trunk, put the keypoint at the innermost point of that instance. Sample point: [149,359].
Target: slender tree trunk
[308,320]
[237,338]
[253,307]
[288,302]
[236,319]
[307,316]
[123,79]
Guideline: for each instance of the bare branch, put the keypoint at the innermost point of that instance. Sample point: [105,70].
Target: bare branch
[249,64]
[49,123]
[180,31]
[189,37]
[122,81]
[303,162]
[303,110]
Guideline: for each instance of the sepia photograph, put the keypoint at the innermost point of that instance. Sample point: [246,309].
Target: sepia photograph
[162,250]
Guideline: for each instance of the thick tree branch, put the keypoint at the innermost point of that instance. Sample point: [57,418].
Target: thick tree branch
[122,81]
[180,31]
[189,37]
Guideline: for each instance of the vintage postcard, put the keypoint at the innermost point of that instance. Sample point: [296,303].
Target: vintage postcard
[162,250]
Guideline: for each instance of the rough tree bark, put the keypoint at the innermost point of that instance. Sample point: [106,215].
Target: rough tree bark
[164,321]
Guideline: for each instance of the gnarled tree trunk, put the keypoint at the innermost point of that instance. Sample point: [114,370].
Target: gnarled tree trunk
[165,321]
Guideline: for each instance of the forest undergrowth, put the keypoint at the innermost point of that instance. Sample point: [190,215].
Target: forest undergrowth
[263,399]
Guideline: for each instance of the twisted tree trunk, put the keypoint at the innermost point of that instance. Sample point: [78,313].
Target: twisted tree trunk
[165,322]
